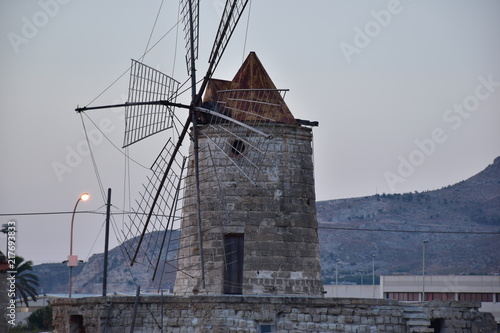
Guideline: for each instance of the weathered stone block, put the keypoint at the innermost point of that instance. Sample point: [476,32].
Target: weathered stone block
[347,311]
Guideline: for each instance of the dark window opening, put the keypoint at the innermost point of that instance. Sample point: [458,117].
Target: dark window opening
[76,324]
[266,328]
[238,148]
[437,325]
[233,268]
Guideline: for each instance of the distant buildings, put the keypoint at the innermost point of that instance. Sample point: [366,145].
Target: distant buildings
[482,288]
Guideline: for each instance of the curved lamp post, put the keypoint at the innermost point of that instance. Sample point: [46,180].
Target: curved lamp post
[73,260]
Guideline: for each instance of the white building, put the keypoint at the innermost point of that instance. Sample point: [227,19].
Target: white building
[414,288]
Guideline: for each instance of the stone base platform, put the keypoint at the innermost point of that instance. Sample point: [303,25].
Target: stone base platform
[254,314]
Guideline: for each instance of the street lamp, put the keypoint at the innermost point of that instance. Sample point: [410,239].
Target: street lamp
[73,260]
[423,269]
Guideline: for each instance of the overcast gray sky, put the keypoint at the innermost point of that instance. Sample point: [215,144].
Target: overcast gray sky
[407,94]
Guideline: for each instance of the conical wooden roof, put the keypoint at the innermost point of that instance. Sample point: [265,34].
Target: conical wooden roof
[252,75]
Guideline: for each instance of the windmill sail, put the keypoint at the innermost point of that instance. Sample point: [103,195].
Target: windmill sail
[190,10]
[230,17]
[228,127]
[165,211]
[148,84]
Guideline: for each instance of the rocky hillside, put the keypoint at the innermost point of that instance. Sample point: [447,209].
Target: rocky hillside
[122,278]
[460,222]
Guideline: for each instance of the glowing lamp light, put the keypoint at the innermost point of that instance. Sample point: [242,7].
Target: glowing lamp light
[73,260]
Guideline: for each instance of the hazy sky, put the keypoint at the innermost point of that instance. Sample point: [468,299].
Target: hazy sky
[407,94]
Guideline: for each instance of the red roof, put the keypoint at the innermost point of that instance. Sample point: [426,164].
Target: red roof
[252,75]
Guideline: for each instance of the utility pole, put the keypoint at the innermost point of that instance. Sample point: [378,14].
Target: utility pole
[106,245]
[337,278]
[373,274]
[423,269]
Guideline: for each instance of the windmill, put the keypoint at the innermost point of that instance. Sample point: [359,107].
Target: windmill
[237,123]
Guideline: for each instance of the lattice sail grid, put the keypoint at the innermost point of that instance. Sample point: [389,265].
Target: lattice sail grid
[190,18]
[161,246]
[148,85]
[230,17]
[147,241]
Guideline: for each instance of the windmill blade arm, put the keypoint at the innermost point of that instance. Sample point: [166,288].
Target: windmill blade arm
[170,218]
[160,187]
[110,106]
[230,17]
[190,16]
[220,115]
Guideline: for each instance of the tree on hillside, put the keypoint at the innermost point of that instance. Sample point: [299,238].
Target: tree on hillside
[26,282]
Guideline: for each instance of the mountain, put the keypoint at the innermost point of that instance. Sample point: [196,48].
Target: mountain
[87,277]
[461,223]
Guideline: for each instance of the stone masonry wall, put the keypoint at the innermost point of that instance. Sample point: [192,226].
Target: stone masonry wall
[277,217]
[247,313]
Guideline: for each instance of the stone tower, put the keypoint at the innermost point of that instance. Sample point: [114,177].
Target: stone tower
[269,244]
